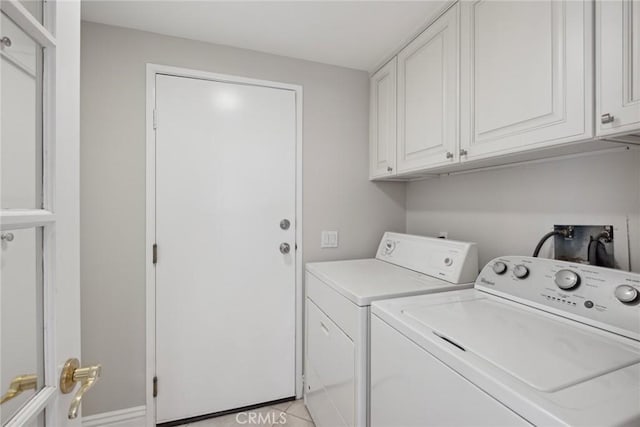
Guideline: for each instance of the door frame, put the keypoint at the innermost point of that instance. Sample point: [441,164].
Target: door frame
[152,71]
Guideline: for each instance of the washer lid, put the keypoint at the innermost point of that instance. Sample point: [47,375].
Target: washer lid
[367,280]
[538,348]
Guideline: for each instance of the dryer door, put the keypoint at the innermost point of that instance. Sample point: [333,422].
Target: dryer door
[331,357]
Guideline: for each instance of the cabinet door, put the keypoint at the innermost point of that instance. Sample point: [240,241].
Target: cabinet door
[382,119]
[428,96]
[526,75]
[618,62]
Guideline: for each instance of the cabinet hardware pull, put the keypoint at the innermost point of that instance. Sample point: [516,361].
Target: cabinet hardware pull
[449,155]
[324,328]
[463,152]
[606,118]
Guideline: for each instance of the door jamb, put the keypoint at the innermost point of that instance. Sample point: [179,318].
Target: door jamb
[152,71]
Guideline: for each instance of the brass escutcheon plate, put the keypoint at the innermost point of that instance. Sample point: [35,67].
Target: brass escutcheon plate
[66,376]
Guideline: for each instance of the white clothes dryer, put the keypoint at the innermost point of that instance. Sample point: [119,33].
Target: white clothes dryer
[338,299]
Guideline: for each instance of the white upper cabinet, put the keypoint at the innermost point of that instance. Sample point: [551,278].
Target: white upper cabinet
[618,67]
[526,75]
[382,121]
[428,96]
[494,82]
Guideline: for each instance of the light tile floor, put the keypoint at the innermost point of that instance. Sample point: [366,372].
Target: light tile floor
[291,414]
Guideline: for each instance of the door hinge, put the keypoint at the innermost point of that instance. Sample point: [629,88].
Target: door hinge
[155,118]
[155,253]
[155,386]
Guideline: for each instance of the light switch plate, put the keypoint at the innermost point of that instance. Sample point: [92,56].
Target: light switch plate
[329,239]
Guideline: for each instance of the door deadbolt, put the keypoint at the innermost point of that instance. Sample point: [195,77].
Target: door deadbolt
[285,248]
[285,224]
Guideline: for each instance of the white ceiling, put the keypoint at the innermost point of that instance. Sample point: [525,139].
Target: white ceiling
[354,34]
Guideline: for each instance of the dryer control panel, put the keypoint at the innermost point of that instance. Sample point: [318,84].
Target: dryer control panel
[602,297]
[450,260]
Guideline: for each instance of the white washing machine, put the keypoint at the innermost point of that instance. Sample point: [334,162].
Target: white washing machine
[338,299]
[537,342]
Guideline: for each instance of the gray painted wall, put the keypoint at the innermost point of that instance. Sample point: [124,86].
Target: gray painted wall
[506,211]
[337,193]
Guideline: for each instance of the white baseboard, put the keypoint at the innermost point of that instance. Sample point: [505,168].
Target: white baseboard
[130,417]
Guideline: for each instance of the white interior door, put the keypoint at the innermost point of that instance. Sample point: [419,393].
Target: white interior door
[39,213]
[225,293]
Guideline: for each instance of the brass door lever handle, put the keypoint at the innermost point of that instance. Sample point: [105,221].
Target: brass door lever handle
[18,385]
[73,373]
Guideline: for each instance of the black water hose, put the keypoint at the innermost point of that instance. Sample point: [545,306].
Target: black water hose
[592,254]
[546,237]
[597,252]
[604,258]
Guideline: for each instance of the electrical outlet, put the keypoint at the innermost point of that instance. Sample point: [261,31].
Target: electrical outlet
[329,239]
[443,235]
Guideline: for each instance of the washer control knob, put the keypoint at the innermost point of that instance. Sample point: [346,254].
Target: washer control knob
[566,279]
[448,261]
[499,267]
[520,271]
[389,246]
[626,293]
